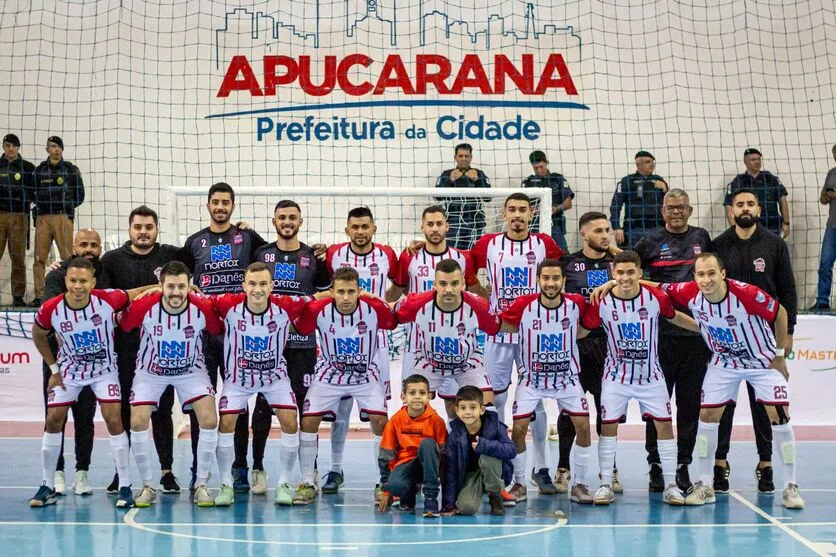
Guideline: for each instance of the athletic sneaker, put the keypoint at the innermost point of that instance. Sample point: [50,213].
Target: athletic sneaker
[792,498]
[431,507]
[673,496]
[616,483]
[561,480]
[284,495]
[721,478]
[683,478]
[125,499]
[305,495]
[507,499]
[259,482]
[496,503]
[202,497]
[543,482]
[113,488]
[333,482]
[60,483]
[169,483]
[146,497]
[82,483]
[580,494]
[519,492]
[604,496]
[226,496]
[240,483]
[45,496]
[657,482]
[700,494]
[764,477]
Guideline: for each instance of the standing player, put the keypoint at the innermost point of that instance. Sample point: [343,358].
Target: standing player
[511,260]
[548,327]
[348,327]
[374,264]
[630,316]
[83,320]
[171,353]
[217,257]
[734,319]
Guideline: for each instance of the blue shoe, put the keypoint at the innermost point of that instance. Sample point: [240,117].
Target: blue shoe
[45,496]
[126,498]
[431,508]
[333,482]
[543,481]
[240,483]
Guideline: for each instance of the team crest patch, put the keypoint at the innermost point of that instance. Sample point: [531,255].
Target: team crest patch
[514,408]
[643,314]
[760,297]
[461,329]
[51,396]
[189,331]
[271,327]
[96,319]
[731,320]
[531,257]
[362,327]
[238,239]
[697,249]
[306,406]
[760,265]
[565,323]
[374,269]
[223,402]
[304,262]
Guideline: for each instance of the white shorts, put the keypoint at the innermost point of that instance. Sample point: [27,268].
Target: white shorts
[447,386]
[105,387]
[234,398]
[446,390]
[570,400]
[381,358]
[147,389]
[721,385]
[499,361]
[654,401]
[323,399]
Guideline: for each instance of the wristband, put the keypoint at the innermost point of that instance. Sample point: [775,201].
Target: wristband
[779,352]
[55,369]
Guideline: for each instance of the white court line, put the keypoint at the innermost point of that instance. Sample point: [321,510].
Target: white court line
[763,514]
[371,489]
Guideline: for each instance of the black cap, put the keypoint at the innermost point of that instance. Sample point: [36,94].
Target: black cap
[12,138]
[751,151]
[57,140]
[644,154]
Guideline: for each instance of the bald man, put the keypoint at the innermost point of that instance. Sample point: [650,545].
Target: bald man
[88,244]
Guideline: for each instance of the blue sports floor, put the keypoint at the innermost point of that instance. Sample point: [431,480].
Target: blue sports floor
[739,524]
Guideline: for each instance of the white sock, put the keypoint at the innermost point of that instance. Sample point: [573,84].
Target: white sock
[520,467]
[606,458]
[539,435]
[207,446]
[141,447]
[226,456]
[705,448]
[580,464]
[499,402]
[50,451]
[667,456]
[121,447]
[376,447]
[307,456]
[784,439]
[288,453]
[339,433]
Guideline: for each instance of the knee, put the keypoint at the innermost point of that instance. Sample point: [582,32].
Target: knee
[427,446]
[54,423]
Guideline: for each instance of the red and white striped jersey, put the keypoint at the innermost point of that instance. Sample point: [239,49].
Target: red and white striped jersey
[171,344]
[549,339]
[347,342]
[511,266]
[86,347]
[736,329]
[632,329]
[254,342]
[447,340]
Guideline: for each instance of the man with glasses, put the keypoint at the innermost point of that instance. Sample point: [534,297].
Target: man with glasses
[772,195]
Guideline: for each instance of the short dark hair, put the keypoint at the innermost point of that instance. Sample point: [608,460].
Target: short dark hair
[537,156]
[360,212]
[346,273]
[547,263]
[221,187]
[143,211]
[716,257]
[256,267]
[471,393]
[627,256]
[644,154]
[434,209]
[447,266]
[412,379]
[285,203]
[80,262]
[518,196]
[590,216]
[751,151]
[173,269]
[465,146]
[743,190]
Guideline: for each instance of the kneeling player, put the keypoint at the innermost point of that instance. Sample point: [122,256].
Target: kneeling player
[83,320]
[734,319]
[171,353]
[548,322]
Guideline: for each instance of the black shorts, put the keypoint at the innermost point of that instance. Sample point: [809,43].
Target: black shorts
[301,363]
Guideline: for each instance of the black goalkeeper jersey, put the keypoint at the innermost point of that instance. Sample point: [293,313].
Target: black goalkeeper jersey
[583,275]
[218,261]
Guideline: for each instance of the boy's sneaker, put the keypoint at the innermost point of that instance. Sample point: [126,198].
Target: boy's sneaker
[284,495]
[305,495]
[60,483]
[240,483]
[82,483]
[146,497]
[519,492]
[169,483]
[259,482]
[45,496]
[496,503]
[683,478]
[507,499]
[657,482]
[604,496]
[202,497]
[543,481]
[333,482]
[721,478]
[406,504]
[126,498]
[561,480]
[431,508]
[616,483]
[764,477]
[672,496]
[113,488]
[700,494]
[580,494]
[226,496]
[792,498]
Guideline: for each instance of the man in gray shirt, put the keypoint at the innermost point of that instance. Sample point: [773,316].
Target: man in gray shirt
[828,245]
